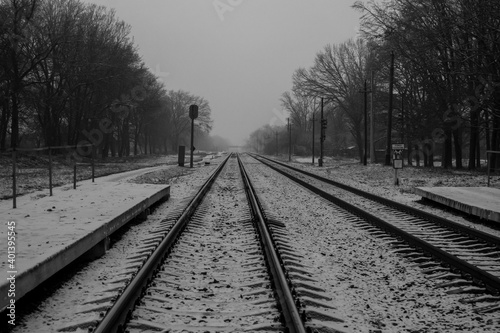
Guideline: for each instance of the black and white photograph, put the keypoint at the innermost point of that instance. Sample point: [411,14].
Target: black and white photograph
[205,166]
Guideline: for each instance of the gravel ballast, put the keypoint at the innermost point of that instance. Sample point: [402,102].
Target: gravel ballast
[374,288]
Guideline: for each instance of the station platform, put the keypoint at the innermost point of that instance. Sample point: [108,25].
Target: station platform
[483,202]
[53,231]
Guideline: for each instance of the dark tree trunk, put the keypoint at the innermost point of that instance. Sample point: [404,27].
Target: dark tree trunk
[14,135]
[126,137]
[136,139]
[409,157]
[478,153]
[447,150]
[428,154]
[4,122]
[457,138]
[112,145]
[474,138]
[417,155]
[495,142]
[105,146]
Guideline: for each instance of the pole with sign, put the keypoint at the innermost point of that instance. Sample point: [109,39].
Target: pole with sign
[193,114]
[397,159]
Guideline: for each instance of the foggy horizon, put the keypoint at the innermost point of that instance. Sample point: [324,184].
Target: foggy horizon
[238,55]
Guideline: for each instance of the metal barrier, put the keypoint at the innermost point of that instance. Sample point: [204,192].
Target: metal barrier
[49,149]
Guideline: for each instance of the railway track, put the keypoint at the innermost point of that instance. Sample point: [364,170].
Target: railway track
[472,255]
[220,266]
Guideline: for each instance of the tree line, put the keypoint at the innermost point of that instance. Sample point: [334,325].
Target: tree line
[71,74]
[436,76]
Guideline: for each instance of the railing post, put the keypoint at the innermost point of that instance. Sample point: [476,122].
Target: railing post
[14,204]
[488,159]
[93,162]
[50,171]
[74,170]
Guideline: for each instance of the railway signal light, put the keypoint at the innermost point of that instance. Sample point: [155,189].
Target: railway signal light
[193,111]
[193,114]
[324,122]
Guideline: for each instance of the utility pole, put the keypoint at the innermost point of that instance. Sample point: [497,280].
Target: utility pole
[365,92]
[403,124]
[314,109]
[322,137]
[389,120]
[366,125]
[372,134]
[289,141]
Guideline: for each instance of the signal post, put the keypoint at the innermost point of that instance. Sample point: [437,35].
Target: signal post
[193,114]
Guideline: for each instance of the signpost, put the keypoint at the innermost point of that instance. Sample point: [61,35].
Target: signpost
[397,159]
[193,114]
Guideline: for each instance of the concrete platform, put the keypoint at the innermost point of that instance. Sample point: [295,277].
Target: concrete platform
[483,202]
[51,232]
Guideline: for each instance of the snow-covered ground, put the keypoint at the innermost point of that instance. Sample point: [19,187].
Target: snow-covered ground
[78,291]
[379,179]
[374,288]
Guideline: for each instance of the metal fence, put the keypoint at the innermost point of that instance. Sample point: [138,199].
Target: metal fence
[49,151]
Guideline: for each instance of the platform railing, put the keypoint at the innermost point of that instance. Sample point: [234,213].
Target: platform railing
[49,149]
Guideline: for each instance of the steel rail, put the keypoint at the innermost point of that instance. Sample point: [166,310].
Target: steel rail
[491,282]
[410,210]
[293,322]
[114,320]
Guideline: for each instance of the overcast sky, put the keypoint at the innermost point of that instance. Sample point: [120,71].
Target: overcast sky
[238,54]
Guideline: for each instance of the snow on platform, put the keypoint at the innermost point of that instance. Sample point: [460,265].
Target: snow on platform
[51,232]
[483,202]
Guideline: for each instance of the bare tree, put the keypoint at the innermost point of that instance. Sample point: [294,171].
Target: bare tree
[450,46]
[337,75]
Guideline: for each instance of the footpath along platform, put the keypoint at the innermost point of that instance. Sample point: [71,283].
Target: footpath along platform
[51,232]
[483,202]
